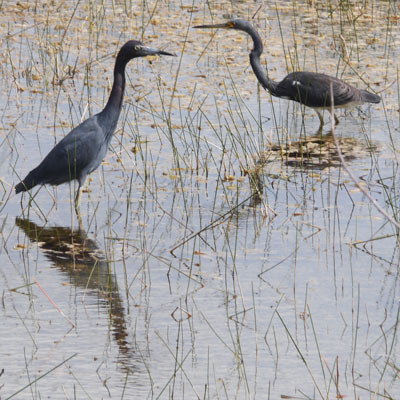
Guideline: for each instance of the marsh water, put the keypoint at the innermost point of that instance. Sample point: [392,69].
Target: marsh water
[225,252]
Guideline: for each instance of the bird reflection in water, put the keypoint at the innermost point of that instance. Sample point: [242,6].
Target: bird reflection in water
[77,256]
[317,152]
[313,153]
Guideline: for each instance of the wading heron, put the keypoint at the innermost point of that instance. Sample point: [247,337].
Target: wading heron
[309,88]
[81,151]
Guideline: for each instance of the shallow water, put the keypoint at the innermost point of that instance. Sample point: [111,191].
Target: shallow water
[184,282]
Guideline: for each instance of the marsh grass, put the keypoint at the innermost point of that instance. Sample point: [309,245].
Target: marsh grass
[229,266]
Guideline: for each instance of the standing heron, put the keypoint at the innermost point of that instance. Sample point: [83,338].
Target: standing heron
[81,151]
[309,88]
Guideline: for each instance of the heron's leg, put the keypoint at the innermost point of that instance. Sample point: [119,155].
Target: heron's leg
[77,202]
[79,217]
[321,120]
[336,119]
[78,198]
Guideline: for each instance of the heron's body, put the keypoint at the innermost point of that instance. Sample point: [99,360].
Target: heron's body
[309,88]
[83,149]
[74,157]
[313,90]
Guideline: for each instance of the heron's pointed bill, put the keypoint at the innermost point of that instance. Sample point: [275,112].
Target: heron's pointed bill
[225,25]
[150,51]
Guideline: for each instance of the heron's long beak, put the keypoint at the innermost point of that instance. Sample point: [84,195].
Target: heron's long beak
[150,51]
[226,25]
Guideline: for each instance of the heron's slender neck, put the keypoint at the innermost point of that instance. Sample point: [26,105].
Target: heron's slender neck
[258,70]
[114,104]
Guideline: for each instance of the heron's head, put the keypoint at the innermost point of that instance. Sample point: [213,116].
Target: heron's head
[237,24]
[134,48]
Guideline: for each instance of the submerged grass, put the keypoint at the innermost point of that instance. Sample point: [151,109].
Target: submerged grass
[236,254]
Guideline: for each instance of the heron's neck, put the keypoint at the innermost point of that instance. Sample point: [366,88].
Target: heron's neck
[114,104]
[258,70]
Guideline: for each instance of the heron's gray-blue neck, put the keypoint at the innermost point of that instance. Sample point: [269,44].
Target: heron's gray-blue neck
[258,70]
[114,104]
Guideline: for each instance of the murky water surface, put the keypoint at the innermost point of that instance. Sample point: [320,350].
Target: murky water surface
[225,251]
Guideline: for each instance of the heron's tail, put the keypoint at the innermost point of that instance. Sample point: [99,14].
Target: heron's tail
[370,97]
[29,182]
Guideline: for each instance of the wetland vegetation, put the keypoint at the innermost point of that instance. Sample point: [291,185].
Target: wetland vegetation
[225,251]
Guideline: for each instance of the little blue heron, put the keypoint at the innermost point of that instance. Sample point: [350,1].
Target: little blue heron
[81,151]
[309,88]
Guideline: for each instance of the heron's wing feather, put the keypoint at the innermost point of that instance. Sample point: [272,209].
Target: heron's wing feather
[313,89]
[76,155]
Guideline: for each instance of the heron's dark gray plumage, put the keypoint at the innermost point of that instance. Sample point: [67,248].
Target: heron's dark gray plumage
[309,88]
[81,151]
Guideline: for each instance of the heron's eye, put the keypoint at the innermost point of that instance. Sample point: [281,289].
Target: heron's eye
[137,47]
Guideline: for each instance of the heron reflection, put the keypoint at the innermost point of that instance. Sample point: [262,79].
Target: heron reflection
[76,255]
